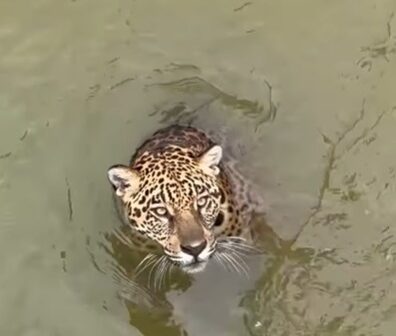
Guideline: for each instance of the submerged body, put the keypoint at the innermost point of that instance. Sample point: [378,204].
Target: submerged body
[178,192]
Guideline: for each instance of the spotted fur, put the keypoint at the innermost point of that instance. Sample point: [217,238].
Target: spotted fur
[180,194]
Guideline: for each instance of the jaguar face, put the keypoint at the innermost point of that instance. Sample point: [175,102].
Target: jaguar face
[174,200]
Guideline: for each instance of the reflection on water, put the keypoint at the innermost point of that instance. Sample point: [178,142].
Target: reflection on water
[146,298]
[302,93]
[155,314]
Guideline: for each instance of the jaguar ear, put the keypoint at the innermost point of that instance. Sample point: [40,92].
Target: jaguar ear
[124,180]
[209,160]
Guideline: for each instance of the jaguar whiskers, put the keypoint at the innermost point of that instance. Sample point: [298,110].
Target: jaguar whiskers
[159,268]
[229,252]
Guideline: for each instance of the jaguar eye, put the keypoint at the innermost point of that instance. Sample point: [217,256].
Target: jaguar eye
[201,202]
[160,211]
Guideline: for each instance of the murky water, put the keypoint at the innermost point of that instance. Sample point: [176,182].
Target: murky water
[305,93]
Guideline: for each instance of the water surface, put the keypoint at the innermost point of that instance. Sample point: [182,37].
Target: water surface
[304,91]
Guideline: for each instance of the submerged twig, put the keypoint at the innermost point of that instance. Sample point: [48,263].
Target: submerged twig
[69,200]
[242,7]
[124,81]
[24,135]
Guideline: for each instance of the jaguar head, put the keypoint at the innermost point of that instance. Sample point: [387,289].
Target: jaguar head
[173,198]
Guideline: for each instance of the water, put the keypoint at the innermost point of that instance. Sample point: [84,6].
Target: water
[305,93]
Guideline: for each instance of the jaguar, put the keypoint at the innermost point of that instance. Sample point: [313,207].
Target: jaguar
[182,196]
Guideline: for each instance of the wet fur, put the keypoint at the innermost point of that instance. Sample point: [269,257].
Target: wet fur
[179,146]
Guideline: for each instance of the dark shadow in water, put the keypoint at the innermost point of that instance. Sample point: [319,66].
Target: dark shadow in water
[149,310]
[181,113]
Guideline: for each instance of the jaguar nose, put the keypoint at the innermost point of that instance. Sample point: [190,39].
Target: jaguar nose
[194,249]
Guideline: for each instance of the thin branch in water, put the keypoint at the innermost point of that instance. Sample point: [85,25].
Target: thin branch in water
[242,6]
[69,200]
[24,135]
[124,81]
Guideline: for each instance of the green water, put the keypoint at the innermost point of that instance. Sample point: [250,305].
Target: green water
[304,91]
